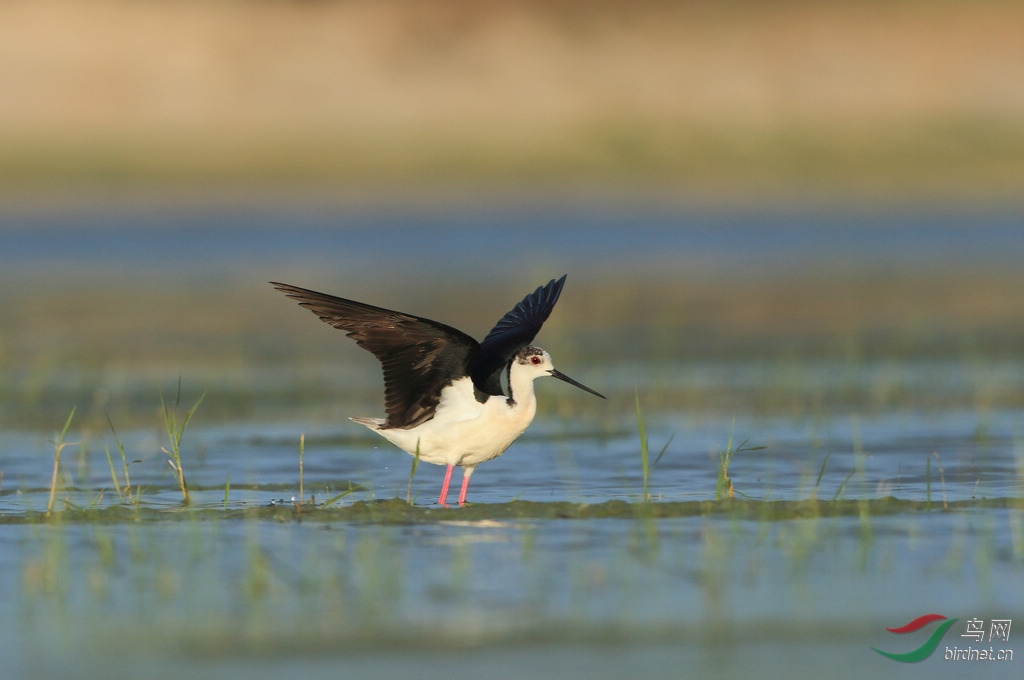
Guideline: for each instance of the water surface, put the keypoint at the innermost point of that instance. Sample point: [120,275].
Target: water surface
[878,471]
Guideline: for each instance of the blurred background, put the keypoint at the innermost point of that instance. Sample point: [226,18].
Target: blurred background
[768,179]
[698,100]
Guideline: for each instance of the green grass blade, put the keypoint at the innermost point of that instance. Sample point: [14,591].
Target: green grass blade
[723,483]
[821,473]
[842,487]
[113,473]
[302,452]
[59,446]
[663,449]
[192,411]
[67,424]
[412,473]
[643,446]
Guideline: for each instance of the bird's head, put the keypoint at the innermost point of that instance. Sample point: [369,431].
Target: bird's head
[534,362]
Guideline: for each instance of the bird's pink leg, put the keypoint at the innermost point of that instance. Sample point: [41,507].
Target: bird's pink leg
[466,472]
[444,487]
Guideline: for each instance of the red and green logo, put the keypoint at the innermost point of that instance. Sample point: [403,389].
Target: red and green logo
[925,650]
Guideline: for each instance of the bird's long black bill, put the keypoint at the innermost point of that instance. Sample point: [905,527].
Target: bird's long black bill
[564,377]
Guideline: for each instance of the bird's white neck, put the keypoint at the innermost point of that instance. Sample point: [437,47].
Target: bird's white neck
[521,394]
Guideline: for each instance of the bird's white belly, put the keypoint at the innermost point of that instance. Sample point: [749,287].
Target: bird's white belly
[464,431]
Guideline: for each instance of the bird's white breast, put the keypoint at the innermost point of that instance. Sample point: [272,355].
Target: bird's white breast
[465,431]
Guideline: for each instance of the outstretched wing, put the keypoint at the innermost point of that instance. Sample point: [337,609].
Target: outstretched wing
[420,357]
[515,330]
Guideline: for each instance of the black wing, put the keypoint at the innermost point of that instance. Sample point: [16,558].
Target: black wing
[516,330]
[419,356]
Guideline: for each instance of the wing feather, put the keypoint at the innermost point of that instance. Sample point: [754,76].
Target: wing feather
[515,330]
[419,357]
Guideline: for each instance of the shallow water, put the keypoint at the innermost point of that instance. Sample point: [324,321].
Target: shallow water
[868,489]
[255,598]
[953,455]
[211,590]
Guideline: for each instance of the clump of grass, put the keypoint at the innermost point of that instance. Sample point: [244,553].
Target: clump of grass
[175,432]
[59,444]
[724,486]
[124,492]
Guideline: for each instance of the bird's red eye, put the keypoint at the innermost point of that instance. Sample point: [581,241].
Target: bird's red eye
[535,360]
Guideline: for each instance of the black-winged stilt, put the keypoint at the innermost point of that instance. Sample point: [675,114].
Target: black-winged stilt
[443,390]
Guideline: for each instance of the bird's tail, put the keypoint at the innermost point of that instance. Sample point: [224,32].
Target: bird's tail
[372,423]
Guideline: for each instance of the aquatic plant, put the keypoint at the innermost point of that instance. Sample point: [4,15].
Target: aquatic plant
[123,492]
[724,486]
[412,473]
[821,473]
[645,464]
[59,446]
[175,432]
[302,453]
